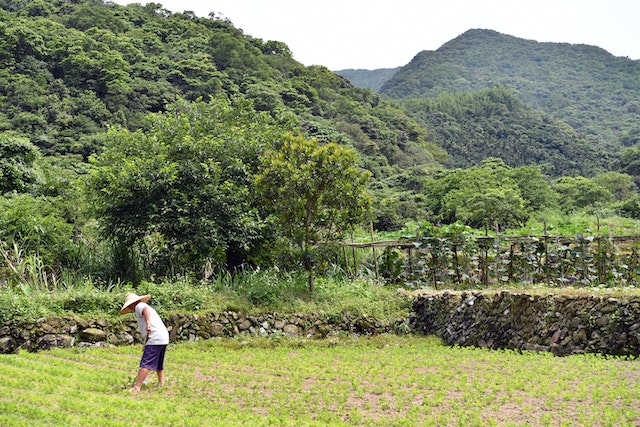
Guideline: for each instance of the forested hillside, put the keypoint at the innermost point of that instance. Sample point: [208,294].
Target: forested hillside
[138,142]
[473,126]
[590,89]
[69,70]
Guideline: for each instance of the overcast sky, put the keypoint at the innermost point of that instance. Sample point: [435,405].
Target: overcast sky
[373,34]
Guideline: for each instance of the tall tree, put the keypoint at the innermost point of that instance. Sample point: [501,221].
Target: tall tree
[487,195]
[315,191]
[186,178]
[578,193]
[620,185]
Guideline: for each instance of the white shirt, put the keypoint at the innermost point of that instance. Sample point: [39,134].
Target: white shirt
[159,334]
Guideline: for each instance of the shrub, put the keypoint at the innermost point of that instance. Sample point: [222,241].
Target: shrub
[37,227]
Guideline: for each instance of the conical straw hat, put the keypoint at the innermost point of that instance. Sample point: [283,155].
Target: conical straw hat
[131,299]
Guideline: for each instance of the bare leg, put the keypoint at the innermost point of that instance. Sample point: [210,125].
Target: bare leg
[142,374]
[160,377]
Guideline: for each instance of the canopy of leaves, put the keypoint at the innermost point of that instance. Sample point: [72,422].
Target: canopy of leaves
[315,190]
[490,195]
[580,192]
[495,123]
[17,164]
[186,179]
[37,227]
[68,70]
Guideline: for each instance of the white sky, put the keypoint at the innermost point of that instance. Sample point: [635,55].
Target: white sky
[371,34]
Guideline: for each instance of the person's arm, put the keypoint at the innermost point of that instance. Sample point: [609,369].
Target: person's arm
[147,319]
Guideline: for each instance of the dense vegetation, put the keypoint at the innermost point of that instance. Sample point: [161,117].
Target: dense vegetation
[585,86]
[72,69]
[139,144]
[178,106]
[493,122]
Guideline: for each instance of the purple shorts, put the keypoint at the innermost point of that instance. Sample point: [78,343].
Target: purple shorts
[153,357]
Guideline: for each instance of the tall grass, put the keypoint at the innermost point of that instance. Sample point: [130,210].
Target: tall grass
[250,291]
[25,270]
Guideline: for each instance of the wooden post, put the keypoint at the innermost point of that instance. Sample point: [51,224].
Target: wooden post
[458,280]
[511,260]
[599,263]
[355,261]
[546,254]
[373,250]
[484,262]
[346,261]
[410,264]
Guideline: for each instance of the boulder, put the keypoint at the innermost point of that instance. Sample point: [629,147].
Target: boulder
[8,345]
[50,341]
[244,325]
[290,329]
[93,335]
[216,329]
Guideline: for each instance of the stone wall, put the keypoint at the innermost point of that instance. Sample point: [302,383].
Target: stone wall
[559,323]
[73,331]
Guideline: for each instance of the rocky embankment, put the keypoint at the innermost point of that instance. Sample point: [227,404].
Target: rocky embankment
[560,323]
[74,331]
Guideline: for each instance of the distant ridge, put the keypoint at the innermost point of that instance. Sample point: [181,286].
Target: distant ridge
[586,86]
[368,79]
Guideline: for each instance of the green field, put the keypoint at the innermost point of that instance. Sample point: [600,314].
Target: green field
[379,381]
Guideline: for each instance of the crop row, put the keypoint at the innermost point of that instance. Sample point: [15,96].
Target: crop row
[378,381]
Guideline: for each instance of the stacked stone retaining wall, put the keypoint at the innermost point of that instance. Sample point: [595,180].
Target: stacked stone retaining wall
[559,323]
[73,331]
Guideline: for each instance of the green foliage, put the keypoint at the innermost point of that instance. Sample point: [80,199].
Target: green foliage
[87,302]
[174,192]
[492,195]
[534,186]
[126,61]
[247,291]
[584,86]
[620,185]
[71,70]
[494,123]
[630,160]
[24,305]
[580,192]
[585,223]
[186,177]
[317,186]
[37,227]
[630,208]
[17,164]
[316,191]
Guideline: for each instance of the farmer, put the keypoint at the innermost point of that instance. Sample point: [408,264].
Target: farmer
[153,332]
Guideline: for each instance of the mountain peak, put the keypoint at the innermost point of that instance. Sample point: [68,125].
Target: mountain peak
[553,77]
